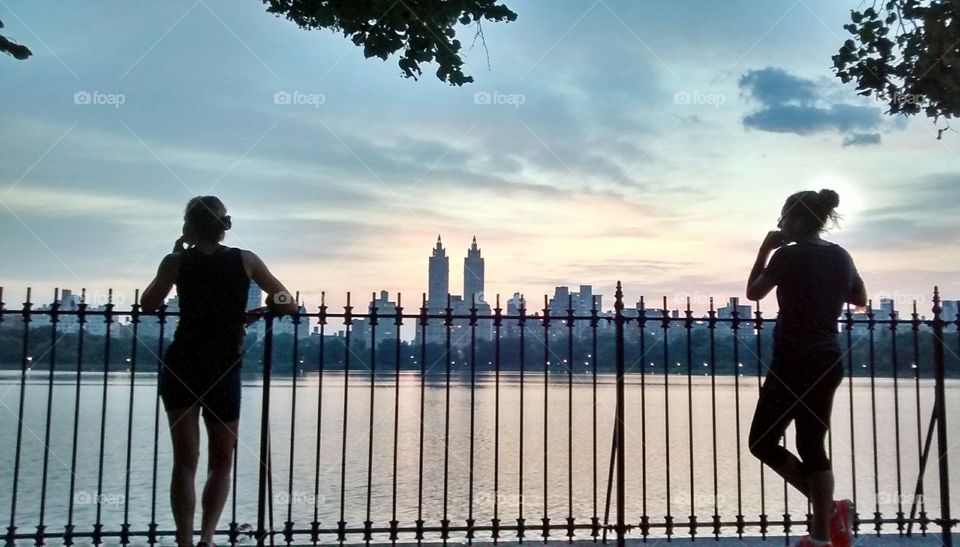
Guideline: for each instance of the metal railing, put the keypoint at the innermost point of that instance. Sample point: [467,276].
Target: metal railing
[428,481]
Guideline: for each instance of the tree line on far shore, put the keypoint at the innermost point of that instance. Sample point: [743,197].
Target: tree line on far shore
[558,355]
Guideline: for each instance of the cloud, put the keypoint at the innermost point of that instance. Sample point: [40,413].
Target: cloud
[791,104]
[861,139]
[773,86]
[807,120]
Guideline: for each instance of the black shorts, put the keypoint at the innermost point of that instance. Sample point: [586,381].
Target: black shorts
[216,391]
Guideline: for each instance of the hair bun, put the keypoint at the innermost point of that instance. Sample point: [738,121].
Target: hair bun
[829,199]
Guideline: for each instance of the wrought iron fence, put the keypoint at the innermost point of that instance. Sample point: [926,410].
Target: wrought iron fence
[446,443]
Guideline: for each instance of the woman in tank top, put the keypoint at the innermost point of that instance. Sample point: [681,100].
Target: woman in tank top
[201,367]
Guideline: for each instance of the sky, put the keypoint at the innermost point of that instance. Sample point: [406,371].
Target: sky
[648,142]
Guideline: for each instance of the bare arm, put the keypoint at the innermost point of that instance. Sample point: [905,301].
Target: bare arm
[858,296]
[279,299]
[158,289]
[758,285]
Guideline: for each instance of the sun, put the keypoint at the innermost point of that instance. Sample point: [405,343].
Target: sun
[852,199]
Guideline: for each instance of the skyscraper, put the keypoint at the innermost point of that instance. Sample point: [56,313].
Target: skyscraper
[439,284]
[254,296]
[473,274]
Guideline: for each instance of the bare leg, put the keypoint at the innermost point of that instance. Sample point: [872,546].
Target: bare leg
[791,470]
[185,434]
[821,498]
[222,439]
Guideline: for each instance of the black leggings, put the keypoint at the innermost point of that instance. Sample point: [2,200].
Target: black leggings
[799,387]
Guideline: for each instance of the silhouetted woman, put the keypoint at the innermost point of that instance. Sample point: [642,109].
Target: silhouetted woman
[201,368]
[814,279]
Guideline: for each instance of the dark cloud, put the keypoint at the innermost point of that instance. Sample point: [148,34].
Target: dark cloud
[791,104]
[861,139]
[774,86]
[806,120]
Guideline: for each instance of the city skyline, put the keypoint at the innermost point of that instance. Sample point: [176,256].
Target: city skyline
[664,172]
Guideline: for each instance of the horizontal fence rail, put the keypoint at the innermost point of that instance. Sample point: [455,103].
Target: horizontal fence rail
[563,422]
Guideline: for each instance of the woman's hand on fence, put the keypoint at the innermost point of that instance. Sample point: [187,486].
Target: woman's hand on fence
[255,314]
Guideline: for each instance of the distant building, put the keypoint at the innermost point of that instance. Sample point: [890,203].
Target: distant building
[950,310]
[582,303]
[744,312]
[255,300]
[439,299]
[386,325]
[438,290]
[473,274]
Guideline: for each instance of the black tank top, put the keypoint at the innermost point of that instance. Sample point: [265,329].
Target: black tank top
[212,290]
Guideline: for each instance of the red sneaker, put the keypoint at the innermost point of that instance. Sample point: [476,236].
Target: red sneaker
[806,542]
[841,524]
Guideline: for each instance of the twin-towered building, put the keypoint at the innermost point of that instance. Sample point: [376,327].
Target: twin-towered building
[439,298]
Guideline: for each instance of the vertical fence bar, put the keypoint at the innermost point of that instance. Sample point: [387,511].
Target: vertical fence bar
[758,328]
[666,411]
[161,320]
[735,325]
[546,418]
[497,324]
[233,531]
[688,326]
[398,322]
[321,369]
[642,324]
[135,324]
[473,403]
[423,387]
[939,362]
[81,319]
[295,321]
[24,360]
[712,326]
[264,465]
[621,422]
[853,439]
[52,352]
[368,522]
[871,324]
[522,325]
[594,320]
[915,325]
[570,365]
[895,363]
[347,324]
[448,328]
[107,319]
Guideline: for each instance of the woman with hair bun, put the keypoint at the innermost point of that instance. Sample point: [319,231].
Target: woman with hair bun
[814,279]
[201,368]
